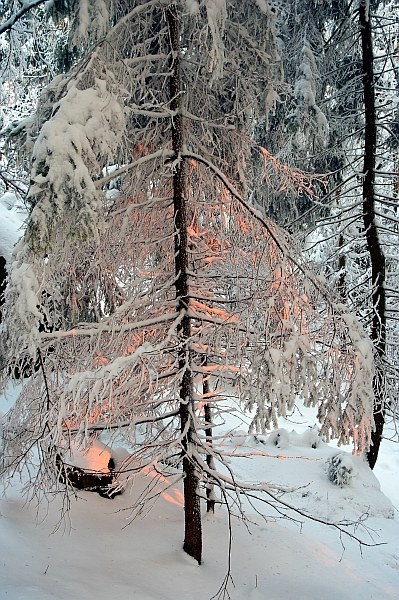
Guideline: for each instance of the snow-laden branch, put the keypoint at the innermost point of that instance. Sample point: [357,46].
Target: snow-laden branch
[153,114]
[90,331]
[102,426]
[227,127]
[135,12]
[26,7]
[144,58]
[162,153]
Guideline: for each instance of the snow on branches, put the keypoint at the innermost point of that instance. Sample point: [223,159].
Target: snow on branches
[186,295]
[72,147]
[305,93]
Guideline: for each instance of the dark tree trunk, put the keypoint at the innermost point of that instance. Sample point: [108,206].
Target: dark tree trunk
[377,258]
[210,501]
[192,509]
[3,282]
[341,268]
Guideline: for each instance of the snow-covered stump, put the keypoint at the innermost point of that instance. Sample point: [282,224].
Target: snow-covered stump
[94,473]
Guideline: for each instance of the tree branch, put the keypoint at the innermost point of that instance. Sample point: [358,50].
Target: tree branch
[26,7]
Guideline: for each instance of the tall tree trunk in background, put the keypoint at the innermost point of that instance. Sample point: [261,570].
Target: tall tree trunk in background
[210,497]
[377,258]
[192,510]
[3,282]
[341,268]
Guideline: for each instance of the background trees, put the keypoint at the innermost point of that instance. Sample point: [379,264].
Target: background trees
[147,283]
[31,46]
[341,114]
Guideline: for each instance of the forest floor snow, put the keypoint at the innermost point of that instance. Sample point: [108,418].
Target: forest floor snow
[98,553]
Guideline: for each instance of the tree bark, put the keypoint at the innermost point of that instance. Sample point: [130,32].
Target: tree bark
[3,282]
[192,510]
[377,258]
[341,268]
[210,500]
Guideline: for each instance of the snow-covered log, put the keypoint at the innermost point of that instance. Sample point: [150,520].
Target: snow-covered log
[91,471]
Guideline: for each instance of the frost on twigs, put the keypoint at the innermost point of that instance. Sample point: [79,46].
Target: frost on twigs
[358,405]
[217,14]
[193,7]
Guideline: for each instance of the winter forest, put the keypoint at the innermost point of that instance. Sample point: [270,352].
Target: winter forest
[199,277]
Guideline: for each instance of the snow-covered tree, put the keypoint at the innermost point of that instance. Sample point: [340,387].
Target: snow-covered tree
[31,50]
[340,64]
[147,284]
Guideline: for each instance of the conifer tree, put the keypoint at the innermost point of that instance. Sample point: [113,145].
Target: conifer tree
[145,272]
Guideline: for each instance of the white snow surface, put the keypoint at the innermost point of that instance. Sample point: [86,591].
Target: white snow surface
[11,223]
[100,554]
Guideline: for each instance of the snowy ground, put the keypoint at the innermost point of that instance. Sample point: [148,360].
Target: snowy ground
[102,556]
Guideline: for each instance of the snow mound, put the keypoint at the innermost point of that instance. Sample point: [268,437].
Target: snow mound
[283,439]
[335,486]
[94,458]
[280,438]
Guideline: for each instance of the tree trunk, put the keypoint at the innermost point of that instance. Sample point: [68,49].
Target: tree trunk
[3,282]
[341,268]
[377,258]
[210,499]
[192,510]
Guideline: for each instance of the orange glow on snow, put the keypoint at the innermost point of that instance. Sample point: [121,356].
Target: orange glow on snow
[98,459]
[95,458]
[172,494]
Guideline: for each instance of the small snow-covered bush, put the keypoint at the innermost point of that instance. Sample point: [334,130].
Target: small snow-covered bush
[283,438]
[341,469]
[310,438]
[279,438]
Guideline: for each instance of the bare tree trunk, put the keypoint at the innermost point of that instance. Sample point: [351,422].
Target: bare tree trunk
[377,258]
[3,282]
[192,510]
[210,500]
[342,268]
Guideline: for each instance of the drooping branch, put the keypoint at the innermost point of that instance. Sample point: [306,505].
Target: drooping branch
[162,153]
[281,240]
